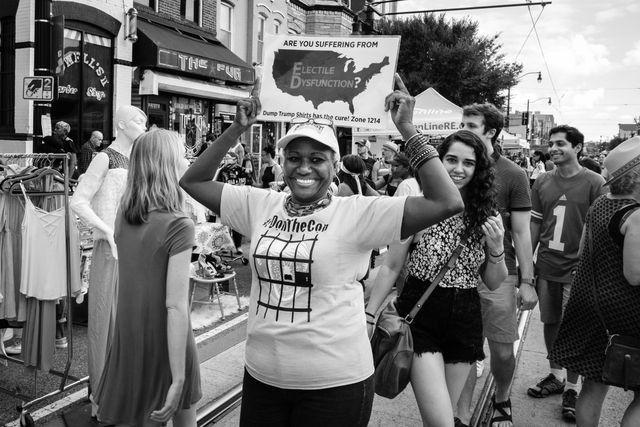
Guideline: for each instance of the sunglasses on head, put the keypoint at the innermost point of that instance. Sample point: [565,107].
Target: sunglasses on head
[318,121]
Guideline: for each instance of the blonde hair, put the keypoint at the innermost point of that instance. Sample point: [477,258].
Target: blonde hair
[153,176]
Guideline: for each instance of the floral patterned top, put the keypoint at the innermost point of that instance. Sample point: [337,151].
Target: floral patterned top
[436,246]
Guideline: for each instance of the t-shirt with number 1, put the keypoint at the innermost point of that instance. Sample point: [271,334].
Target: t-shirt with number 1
[560,206]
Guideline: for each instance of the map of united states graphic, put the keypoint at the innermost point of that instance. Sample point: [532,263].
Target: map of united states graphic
[322,76]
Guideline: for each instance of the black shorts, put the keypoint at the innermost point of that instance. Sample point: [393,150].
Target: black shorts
[450,322]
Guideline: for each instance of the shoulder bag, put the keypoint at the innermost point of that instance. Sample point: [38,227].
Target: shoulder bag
[392,343]
[622,354]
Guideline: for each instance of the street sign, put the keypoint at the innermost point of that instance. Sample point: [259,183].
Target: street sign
[38,88]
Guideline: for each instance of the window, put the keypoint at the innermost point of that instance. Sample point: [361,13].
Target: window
[276,27]
[261,24]
[85,90]
[190,10]
[226,16]
[149,3]
[7,73]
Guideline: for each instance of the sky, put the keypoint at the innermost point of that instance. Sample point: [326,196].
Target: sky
[587,50]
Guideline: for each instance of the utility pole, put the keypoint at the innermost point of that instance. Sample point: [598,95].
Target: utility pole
[42,61]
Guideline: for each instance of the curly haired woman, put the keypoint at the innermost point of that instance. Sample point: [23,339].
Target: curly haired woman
[447,332]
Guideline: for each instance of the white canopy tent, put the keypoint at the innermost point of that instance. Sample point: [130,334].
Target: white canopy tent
[433,115]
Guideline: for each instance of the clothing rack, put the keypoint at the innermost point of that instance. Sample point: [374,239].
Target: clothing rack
[25,417]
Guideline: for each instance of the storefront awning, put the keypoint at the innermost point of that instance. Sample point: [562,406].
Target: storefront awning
[153,81]
[160,47]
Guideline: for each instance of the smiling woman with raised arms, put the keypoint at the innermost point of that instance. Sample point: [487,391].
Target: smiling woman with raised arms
[308,359]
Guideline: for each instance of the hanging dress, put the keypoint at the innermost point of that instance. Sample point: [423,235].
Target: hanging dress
[43,277]
[13,306]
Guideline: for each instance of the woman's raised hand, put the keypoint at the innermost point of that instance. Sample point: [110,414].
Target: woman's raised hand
[247,109]
[494,234]
[400,104]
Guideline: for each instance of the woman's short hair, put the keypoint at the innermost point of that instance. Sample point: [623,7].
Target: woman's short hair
[540,154]
[627,183]
[480,194]
[270,150]
[153,177]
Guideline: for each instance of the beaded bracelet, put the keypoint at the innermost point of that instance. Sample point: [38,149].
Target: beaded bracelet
[419,151]
[424,155]
[408,141]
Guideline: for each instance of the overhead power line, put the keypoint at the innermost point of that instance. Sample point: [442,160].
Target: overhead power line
[583,89]
[453,9]
[553,86]
[528,35]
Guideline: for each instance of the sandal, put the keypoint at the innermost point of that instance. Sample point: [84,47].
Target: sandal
[501,408]
[547,386]
[205,270]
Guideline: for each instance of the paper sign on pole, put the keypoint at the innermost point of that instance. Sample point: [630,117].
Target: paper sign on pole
[344,79]
[45,123]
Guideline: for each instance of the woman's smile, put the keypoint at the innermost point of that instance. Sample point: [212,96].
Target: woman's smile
[308,169]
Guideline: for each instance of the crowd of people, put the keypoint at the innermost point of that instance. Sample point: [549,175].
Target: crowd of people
[299,369]
[308,359]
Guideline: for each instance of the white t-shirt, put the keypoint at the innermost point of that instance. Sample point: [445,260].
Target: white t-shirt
[538,170]
[307,327]
[408,187]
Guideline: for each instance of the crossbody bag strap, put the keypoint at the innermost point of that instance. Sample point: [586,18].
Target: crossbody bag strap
[596,304]
[432,286]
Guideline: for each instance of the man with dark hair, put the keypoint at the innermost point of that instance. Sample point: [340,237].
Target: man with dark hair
[499,307]
[560,199]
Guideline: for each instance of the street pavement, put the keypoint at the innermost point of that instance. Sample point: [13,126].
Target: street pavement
[403,411]
[533,366]
[225,370]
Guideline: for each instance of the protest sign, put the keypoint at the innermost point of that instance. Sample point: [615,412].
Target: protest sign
[344,79]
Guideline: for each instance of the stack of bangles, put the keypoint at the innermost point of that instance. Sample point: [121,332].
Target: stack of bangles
[419,150]
[498,257]
[370,322]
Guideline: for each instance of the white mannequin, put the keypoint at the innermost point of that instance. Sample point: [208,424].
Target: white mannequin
[130,123]
[96,201]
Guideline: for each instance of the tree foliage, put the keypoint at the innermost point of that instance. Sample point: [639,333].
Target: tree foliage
[615,141]
[451,57]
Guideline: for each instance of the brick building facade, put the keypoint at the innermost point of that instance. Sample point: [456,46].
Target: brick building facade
[191,61]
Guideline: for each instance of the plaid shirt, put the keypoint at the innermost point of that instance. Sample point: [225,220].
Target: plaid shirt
[84,158]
